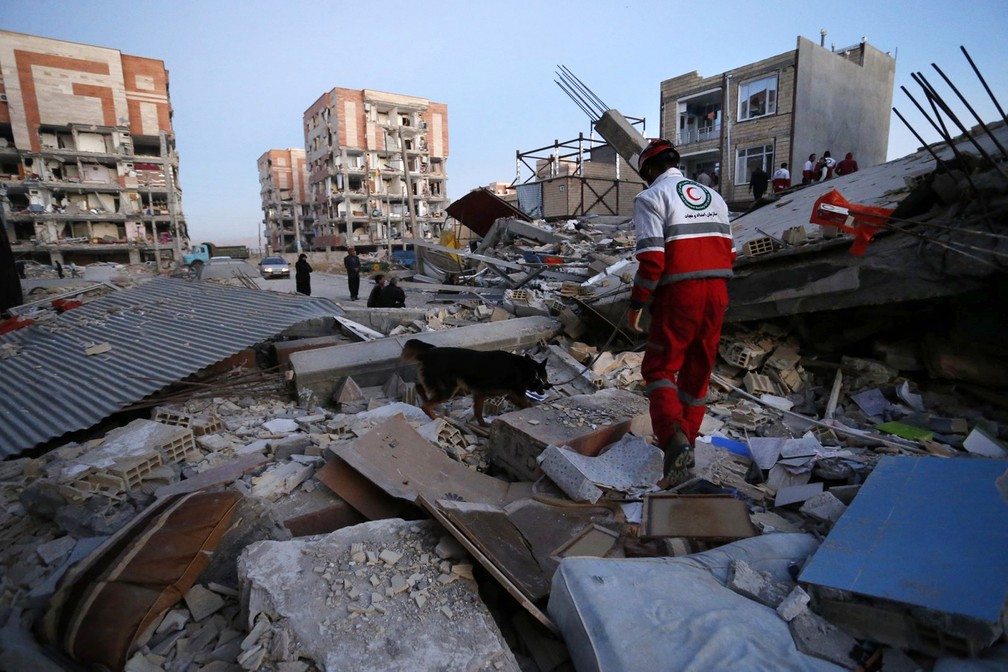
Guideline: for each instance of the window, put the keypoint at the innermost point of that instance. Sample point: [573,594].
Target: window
[750,158]
[758,98]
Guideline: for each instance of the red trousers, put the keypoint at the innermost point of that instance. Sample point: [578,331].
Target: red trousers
[686,320]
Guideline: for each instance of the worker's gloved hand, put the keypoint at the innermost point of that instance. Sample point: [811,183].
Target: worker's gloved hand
[633,320]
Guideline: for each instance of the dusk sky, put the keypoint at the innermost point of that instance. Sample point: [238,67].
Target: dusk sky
[242,73]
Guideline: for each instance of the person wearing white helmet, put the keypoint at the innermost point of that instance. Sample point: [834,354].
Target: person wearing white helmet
[685,253]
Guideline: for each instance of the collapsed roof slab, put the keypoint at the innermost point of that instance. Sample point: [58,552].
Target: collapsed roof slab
[142,339]
[317,372]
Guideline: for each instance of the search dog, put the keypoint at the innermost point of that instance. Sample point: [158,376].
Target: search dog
[445,372]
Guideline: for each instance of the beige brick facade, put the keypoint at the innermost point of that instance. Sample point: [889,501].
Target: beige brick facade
[751,115]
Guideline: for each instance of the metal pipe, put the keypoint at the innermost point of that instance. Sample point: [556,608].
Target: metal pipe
[972,111]
[984,82]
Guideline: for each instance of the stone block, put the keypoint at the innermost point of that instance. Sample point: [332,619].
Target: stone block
[586,423]
[280,480]
[815,636]
[795,603]
[825,507]
[202,602]
[761,586]
[294,444]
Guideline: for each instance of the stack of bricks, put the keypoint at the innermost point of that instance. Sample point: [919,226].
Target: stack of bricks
[200,425]
[129,455]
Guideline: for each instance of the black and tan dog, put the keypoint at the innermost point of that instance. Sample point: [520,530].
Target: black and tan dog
[444,372]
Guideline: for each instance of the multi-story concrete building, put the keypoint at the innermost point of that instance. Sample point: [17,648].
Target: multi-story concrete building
[88,170]
[283,179]
[782,108]
[376,167]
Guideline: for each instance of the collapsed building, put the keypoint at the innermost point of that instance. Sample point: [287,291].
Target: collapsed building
[319,519]
[88,168]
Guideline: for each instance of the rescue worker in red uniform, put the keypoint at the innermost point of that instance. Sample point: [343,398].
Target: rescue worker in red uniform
[685,250]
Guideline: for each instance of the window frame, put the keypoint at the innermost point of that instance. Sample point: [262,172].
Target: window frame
[745,99]
[766,150]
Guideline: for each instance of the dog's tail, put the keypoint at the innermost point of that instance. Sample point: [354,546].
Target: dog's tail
[413,348]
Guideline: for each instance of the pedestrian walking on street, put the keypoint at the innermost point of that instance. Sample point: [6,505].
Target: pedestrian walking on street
[352,264]
[302,275]
[685,251]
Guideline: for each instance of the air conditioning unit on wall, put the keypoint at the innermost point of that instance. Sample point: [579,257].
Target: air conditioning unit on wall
[3,97]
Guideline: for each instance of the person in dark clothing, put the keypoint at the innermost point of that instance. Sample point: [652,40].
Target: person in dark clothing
[59,268]
[302,275]
[847,166]
[392,296]
[374,298]
[352,264]
[758,182]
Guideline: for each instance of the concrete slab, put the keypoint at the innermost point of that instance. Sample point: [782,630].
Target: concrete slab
[285,348]
[339,601]
[587,423]
[316,372]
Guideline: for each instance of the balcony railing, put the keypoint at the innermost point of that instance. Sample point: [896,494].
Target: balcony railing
[691,135]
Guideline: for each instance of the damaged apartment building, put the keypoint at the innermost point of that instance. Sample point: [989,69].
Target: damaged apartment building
[780,109]
[376,167]
[283,176]
[88,169]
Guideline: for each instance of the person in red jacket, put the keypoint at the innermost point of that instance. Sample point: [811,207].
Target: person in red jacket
[685,253]
[847,166]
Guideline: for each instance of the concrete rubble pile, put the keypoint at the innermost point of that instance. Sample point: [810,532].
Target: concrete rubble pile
[365,535]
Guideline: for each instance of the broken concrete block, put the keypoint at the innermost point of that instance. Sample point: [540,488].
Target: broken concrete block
[585,423]
[202,602]
[815,636]
[347,391]
[825,507]
[280,480]
[325,622]
[760,586]
[295,444]
[794,604]
[280,426]
[629,466]
[54,550]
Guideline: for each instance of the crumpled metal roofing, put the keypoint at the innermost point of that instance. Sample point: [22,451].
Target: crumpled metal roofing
[161,331]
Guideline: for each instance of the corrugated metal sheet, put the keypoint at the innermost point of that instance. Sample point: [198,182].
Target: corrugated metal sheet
[160,332]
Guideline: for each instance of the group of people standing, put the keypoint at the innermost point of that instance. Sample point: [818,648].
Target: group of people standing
[384,295]
[813,171]
[826,167]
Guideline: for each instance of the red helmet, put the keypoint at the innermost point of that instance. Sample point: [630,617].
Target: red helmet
[653,149]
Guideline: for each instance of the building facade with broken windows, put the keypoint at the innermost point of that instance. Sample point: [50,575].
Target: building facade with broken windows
[376,167]
[783,108]
[283,179]
[88,169]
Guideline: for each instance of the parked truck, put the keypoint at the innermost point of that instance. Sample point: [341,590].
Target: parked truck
[204,252]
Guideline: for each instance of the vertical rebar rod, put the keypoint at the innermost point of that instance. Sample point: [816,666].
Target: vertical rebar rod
[921,140]
[972,111]
[984,82]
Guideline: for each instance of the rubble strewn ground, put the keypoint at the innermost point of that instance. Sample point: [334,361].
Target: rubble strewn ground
[801,411]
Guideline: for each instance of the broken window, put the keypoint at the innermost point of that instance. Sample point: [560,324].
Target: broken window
[749,159]
[758,98]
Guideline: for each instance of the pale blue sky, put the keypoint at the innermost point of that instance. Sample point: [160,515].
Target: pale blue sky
[242,73]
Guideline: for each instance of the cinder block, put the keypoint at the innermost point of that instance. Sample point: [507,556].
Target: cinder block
[586,423]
